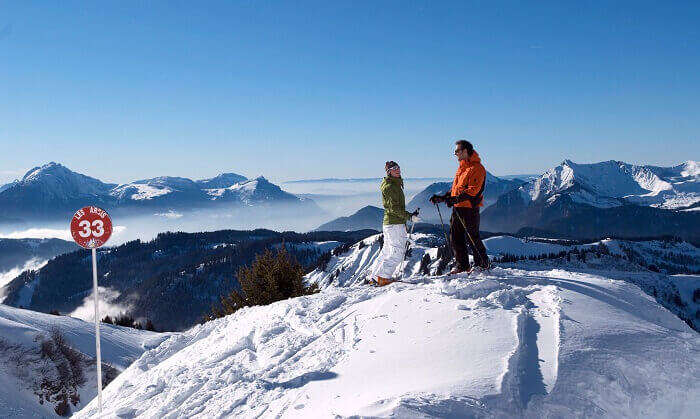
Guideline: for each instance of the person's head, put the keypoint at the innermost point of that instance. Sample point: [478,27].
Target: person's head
[392,169]
[463,149]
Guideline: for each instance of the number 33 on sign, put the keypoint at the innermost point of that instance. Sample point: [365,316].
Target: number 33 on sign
[91,227]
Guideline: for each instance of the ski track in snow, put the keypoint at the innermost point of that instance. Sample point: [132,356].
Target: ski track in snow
[439,347]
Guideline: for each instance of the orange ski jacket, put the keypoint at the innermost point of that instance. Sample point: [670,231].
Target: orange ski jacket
[469,179]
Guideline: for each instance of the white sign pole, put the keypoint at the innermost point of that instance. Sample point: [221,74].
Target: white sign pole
[97,330]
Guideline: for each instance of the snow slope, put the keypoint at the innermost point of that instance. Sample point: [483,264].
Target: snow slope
[511,343]
[120,345]
[21,329]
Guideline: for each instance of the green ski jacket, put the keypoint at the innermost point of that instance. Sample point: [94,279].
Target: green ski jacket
[394,201]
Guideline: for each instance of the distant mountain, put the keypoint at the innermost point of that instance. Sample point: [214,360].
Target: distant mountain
[495,187]
[8,185]
[590,200]
[164,191]
[615,183]
[53,191]
[223,180]
[369,217]
[252,192]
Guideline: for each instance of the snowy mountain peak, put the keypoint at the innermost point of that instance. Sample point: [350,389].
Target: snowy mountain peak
[224,180]
[9,185]
[690,169]
[38,171]
[612,183]
[57,180]
[248,192]
[148,189]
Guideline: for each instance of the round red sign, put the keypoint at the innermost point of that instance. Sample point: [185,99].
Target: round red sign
[91,227]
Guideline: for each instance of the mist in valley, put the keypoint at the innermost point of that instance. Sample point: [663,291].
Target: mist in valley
[335,198]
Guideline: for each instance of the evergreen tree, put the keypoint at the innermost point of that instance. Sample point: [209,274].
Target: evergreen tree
[271,277]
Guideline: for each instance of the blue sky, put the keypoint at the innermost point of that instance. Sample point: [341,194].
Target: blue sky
[124,90]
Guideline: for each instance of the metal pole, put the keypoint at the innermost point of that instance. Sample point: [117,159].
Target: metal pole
[97,330]
[442,223]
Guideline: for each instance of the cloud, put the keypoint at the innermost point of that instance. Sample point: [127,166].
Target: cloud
[107,305]
[38,233]
[7,276]
[170,214]
[52,233]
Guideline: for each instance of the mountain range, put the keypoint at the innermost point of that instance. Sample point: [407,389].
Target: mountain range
[53,191]
[606,198]
[572,200]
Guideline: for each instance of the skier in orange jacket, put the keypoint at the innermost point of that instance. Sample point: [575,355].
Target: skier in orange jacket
[466,197]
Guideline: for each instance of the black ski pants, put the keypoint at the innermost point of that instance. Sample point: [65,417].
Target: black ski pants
[469,217]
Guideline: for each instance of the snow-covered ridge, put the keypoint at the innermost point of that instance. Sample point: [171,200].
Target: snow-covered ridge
[250,191]
[533,341]
[57,180]
[20,331]
[612,183]
[511,343]
[223,180]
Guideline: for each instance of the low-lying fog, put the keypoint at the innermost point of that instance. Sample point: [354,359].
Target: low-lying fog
[343,197]
[335,198]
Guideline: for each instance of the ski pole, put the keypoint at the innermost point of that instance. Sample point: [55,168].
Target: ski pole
[408,245]
[481,258]
[442,223]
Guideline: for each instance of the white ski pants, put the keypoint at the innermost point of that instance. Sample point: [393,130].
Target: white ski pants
[394,248]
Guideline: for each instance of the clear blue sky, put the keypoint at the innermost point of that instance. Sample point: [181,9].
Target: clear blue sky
[124,90]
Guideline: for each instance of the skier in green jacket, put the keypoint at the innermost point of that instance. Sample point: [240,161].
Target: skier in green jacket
[395,217]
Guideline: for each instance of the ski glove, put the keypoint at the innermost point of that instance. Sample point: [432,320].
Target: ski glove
[474,200]
[414,216]
[436,199]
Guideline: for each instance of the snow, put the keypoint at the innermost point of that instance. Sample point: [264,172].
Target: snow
[58,181]
[140,191]
[244,190]
[690,169]
[120,347]
[508,344]
[611,183]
